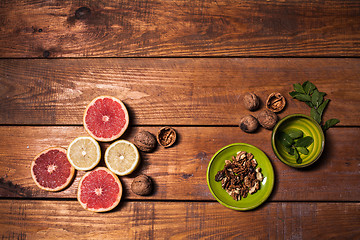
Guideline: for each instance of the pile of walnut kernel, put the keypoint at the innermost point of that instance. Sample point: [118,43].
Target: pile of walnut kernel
[240,176]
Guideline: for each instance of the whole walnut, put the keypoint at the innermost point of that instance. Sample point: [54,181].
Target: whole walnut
[251,101]
[248,124]
[145,141]
[142,185]
[267,119]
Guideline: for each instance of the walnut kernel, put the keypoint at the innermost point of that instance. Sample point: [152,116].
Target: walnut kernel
[166,136]
[275,102]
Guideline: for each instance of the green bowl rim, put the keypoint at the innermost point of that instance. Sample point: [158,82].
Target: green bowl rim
[276,151]
[240,208]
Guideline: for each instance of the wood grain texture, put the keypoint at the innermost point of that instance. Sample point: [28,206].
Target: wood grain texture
[122,28]
[181,91]
[179,172]
[178,220]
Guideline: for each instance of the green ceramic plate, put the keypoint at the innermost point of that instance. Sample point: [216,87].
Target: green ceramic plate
[251,201]
[310,128]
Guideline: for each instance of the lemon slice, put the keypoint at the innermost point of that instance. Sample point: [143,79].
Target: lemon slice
[84,153]
[122,157]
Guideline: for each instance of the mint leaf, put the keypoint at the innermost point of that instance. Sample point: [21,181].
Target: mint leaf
[308,87]
[302,97]
[315,115]
[298,88]
[330,123]
[285,139]
[303,150]
[295,133]
[315,98]
[292,151]
[322,106]
[304,142]
[320,99]
[297,156]
[293,93]
[309,104]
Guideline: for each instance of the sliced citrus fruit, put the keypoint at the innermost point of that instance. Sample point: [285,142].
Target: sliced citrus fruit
[106,118]
[84,153]
[51,170]
[99,190]
[122,157]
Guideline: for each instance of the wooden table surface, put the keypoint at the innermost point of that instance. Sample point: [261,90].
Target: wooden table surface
[184,64]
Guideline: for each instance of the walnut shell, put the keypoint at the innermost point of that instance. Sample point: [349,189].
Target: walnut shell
[275,102]
[145,141]
[248,124]
[166,136]
[142,185]
[267,119]
[251,101]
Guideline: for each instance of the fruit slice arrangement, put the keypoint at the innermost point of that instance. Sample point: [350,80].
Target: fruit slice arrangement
[99,190]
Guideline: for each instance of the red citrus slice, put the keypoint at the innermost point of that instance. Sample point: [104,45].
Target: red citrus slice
[99,190]
[106,118]
[51,169]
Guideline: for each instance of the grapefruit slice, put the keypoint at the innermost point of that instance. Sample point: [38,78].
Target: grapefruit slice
[106,118]
[51,170]
[122,157]
[84,153]
[99,190]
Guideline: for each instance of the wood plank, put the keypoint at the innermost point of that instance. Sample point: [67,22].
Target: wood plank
[179,91]
[179,172]
[178,220]
[120,28]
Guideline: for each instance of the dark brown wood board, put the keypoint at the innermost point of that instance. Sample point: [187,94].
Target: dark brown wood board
[179,173]
[33,29]
[185,64]
[178,220]
[171,91]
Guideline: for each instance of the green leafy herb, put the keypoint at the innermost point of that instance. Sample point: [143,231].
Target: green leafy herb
[297,156]
[322,106]
[299,88]
[315,98]
[301,96]
[315,115]
[304,142]
[329,123]
[285,140]
[303,150]
[308,93]
[295,133]
[294,143]
[308,87]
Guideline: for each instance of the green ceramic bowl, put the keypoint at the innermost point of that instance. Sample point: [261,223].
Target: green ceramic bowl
[217,163]
[309,128]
